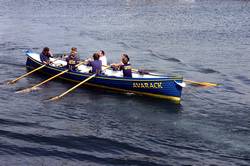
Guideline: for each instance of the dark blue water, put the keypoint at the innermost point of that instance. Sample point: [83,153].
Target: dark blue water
[203,40]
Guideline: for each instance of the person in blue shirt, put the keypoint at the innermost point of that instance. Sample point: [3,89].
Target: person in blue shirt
[72,60]
[45,56]
[124,66]
[96,64]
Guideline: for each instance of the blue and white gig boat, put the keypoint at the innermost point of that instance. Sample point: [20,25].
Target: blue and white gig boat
[158,86]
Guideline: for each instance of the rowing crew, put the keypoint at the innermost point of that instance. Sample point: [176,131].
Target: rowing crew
[99,60]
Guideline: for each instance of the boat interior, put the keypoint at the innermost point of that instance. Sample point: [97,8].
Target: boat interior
[61,62]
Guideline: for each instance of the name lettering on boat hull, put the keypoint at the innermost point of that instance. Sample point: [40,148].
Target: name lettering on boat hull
[147,85]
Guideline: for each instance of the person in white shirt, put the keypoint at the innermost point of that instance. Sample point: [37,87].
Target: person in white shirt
[103,57]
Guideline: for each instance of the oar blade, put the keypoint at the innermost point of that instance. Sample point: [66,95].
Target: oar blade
[205,84]
[27,90]
[208,84]
[54,98]
[11,82]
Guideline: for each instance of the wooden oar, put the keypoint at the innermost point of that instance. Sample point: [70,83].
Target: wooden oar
[187,81]
[201,83]
[43,82]
[74,87]
[17,79]
[63,94]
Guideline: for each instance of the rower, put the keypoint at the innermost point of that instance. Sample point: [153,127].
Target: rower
[124,66]
[45,56]
[96,64]
[72,60]
[74,49]
[103,57]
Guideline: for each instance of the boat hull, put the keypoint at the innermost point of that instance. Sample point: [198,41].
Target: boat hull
[164,88]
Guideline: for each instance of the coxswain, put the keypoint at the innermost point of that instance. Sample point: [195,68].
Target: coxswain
[125,66]
[45,56]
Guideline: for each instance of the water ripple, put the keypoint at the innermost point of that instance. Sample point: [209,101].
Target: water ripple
[91,143]
[163,57]
[39,152]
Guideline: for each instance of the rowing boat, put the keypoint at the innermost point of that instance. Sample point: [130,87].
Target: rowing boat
[159,86]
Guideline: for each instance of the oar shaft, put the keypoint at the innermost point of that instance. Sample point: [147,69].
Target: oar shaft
[43,82]
[74,87]
[188,81]
[201,83]
[15,80]
[63,94]
[57,75]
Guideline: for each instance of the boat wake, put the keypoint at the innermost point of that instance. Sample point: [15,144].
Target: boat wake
[243,79]
[163,57]
[207,71]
